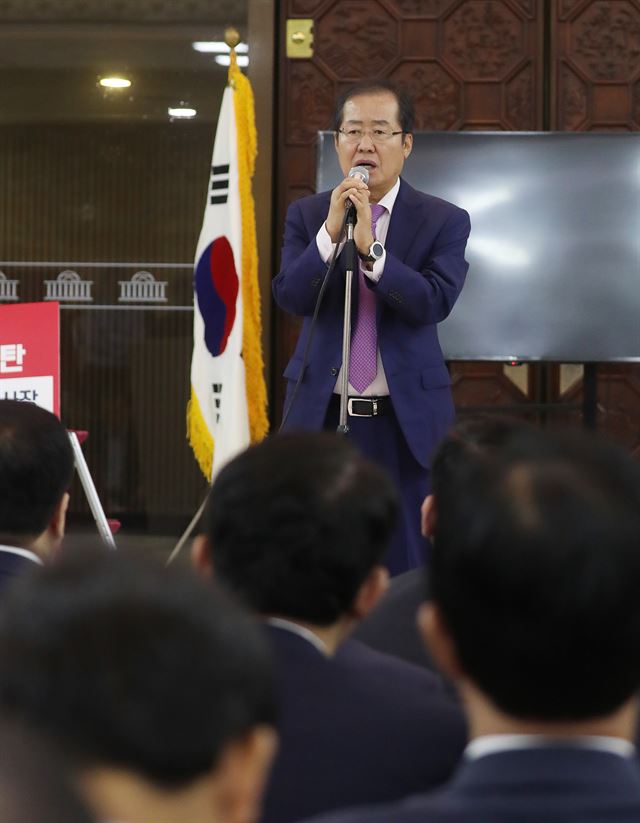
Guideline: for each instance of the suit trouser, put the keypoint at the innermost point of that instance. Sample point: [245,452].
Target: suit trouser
[381,440]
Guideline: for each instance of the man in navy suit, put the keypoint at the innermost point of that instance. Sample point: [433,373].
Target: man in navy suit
[412,268]
[534,576]
[36,466]
[298,527]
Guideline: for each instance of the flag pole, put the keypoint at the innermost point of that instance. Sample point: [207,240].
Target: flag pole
[231,38]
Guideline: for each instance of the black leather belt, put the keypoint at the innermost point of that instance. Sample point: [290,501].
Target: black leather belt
[365,406]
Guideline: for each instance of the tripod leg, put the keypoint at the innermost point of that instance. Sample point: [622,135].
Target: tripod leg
[187,534]
[92,495]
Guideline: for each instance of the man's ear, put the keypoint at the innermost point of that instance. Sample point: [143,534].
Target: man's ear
[47,545]
[59,519]
[437,637]
[241,775]
[374,586]
[407,146]
[428,516]
[201,558]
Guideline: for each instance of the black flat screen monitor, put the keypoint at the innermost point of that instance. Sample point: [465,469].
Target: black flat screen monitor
[554,252]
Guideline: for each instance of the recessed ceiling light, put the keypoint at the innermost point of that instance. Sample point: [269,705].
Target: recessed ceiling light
[225,60]
[217,47]
[115,82]
[183,111]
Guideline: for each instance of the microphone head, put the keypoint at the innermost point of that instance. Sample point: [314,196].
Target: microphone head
[360,171]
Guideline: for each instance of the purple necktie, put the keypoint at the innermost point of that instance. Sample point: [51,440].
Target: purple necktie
[364,341]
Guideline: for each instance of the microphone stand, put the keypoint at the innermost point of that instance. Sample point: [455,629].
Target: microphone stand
[350,258]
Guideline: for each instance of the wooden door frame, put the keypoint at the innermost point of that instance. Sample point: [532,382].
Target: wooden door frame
[262,41]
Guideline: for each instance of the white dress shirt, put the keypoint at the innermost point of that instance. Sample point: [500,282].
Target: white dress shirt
[379,386]
[493,743]
[301,631]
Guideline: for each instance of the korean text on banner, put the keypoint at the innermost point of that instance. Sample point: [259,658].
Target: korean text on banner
[30,354]
[227,409]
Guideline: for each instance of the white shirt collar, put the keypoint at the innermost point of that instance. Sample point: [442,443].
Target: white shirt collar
[301,631]
[493,743]
[29,555]
[390,197]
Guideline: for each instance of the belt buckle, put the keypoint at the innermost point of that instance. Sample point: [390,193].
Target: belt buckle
[373,406]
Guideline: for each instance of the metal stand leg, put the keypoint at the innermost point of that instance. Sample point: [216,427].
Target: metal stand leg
[590,396]
[90,490]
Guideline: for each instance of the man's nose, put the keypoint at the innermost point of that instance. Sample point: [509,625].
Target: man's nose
[366,142]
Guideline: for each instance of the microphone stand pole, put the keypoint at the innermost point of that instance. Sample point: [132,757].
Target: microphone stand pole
[351,258]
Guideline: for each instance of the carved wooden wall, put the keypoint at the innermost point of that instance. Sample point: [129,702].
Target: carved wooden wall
[596,81]
[596,87]
[516,65]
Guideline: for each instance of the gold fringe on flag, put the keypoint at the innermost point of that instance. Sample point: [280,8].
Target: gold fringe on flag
[252,324]
[199,436]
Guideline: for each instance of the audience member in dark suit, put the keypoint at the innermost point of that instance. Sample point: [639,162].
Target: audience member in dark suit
[157,688]
[535,613]
[36,465]
[392,626]
[298,526]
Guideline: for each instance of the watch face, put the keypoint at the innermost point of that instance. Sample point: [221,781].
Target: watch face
[377,250]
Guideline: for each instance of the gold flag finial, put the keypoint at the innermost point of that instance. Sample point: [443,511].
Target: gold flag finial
[231,37]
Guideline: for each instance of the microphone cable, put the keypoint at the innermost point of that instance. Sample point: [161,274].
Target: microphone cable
[312,327]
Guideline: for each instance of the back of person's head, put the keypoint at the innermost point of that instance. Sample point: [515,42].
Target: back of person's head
[535,571]
[470,440]
[127,665]
[297,523]
[34,786]
[36,465]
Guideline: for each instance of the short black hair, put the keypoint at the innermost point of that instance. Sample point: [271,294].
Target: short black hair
[535,567]
[296,524]
[473,438]
[126,664]
[36,466]
[406,113]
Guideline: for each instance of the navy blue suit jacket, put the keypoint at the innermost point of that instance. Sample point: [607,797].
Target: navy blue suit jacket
[423,274]
[361,727]
[13,565]
[555,785]
[391,627]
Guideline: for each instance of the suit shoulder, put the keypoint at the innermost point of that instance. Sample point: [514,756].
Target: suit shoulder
[354,652]
[396,812]
[311,202]
[447,209]
[309,211]
[433,204]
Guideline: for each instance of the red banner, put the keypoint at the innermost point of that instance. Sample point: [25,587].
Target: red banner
[30,354]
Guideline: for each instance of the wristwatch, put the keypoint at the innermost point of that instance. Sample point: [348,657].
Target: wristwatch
[376,250]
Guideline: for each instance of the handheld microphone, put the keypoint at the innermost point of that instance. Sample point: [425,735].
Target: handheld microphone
[362,173]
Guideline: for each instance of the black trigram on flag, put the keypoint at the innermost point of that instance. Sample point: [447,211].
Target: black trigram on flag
[217,389]
[219,185]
